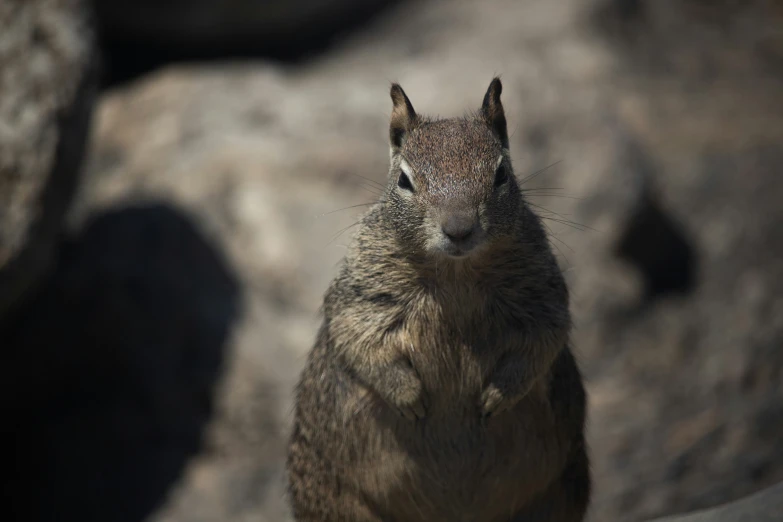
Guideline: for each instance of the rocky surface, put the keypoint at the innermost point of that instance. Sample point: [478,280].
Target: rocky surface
[47,83]
[763,506]
[686,391]
[657,147]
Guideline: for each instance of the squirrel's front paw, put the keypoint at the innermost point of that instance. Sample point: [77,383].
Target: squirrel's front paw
[407,395]
[412,411]
[494,402]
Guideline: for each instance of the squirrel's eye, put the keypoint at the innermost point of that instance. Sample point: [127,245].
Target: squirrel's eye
[501,176]
[404,182]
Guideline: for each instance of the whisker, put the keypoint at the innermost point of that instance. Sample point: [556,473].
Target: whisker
[341,232]
[346,208]
[377,183]
[546,210]
[551,235]
[550,212]
[564,244]
[372,189]
[572,224]
[538,172]
[552,196]
[563,220]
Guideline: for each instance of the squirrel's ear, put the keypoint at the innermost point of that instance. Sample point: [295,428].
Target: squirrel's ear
[403,117]
[492,111]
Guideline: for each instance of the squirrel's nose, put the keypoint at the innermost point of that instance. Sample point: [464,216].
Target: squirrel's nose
[458,227]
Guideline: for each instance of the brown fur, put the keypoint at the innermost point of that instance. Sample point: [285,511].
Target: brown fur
[443,388]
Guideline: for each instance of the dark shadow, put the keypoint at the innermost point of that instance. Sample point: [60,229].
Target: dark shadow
[109,372]
[656,245]
[650,238]
[134,43]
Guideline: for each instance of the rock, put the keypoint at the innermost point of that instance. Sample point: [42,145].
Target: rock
[763,506]
[682,388]
[139,35]
[47,84]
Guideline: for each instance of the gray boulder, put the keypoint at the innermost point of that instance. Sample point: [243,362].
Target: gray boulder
[47,85]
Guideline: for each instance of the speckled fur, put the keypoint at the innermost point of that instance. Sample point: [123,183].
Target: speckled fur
[443,389]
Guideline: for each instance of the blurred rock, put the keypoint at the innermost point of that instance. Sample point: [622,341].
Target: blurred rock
[699,375]
[683,391]
[763,506]
[47,84]
[139,35]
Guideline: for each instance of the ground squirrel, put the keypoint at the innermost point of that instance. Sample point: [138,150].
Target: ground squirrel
[441,386]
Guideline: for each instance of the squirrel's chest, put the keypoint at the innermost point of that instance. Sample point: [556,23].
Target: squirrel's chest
[453,353]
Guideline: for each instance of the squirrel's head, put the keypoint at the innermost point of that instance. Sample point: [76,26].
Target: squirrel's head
[452,191]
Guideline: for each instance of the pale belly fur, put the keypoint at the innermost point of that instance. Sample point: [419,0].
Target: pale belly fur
[453,465]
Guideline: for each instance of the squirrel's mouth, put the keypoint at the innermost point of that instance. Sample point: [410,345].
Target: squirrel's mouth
[458,253]
[458,249]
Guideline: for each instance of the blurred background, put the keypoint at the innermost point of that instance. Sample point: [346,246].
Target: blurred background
[172,175]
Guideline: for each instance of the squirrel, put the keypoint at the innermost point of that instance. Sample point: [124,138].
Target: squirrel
[441,385]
